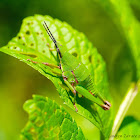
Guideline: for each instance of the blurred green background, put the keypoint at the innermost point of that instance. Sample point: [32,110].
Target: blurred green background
[18,82]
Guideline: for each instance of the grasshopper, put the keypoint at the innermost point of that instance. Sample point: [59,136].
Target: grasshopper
[75,75]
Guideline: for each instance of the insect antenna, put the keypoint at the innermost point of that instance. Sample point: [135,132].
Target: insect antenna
[49,32]
[51,36]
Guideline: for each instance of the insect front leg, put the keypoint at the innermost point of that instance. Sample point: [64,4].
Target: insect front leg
[72,89]
[50,65]
[47,64]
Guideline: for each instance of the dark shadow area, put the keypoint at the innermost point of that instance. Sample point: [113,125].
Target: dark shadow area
[136,10]
[124,70]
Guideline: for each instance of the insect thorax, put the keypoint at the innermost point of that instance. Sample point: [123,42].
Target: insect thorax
[76,72]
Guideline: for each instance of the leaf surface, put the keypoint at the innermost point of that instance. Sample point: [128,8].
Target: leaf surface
[129,129]
[48,120]
[32,42]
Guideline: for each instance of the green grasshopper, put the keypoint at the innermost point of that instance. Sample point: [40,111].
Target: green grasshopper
[75,75]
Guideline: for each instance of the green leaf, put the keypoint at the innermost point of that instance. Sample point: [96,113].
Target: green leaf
[130,129]
[122,15]
[32,42]
[47,120]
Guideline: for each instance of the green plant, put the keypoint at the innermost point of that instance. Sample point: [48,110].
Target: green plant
[32,43]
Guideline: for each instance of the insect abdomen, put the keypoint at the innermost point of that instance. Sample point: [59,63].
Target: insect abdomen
[84,78]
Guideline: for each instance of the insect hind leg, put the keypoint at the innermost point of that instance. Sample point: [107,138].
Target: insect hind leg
[104,101]
[89,96]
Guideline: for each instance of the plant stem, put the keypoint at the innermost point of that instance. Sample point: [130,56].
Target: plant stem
[129,97]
